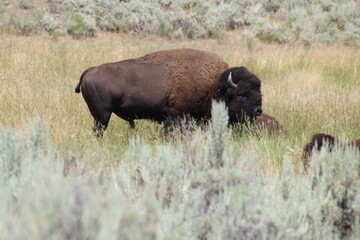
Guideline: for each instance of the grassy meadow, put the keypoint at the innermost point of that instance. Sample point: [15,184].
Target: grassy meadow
[308,89]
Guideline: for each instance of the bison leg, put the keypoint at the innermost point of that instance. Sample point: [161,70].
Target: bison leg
[180,122]
[131,122]
[168,127]
[98,129]
[100,124]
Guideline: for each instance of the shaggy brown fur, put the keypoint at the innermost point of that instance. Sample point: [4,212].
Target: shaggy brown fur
[268,124]
[166,85]
[320,140]
[356,142]
[247,90]
[345,222]
[190,71]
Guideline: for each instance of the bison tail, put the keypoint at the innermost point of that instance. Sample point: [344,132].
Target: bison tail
[77,88]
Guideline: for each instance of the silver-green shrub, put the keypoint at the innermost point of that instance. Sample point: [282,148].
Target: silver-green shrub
[25,25]
[26,4]
[275,21]
[51,24]
[195,187]
[80,25]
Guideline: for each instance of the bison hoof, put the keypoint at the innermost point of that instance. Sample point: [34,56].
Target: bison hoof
[98,129]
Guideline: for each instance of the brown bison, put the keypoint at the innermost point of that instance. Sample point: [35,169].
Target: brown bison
[268,124]
[165,85]
[320,140]
[346,221]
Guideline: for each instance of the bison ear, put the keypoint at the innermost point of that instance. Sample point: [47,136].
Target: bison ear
[230,82]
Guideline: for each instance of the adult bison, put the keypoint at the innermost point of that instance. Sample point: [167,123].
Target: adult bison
[321,140]
[166,85]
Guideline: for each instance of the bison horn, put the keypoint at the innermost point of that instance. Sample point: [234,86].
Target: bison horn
[230,82]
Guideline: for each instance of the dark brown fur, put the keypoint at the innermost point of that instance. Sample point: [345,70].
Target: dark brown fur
[346,220]
[166,85]
[267,123]
[320,140]
[248,88]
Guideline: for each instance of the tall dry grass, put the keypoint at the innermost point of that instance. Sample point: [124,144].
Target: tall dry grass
[202,185]
[307,89]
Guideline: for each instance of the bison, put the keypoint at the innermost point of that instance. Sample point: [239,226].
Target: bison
[266,123]
[346,220]
[165,85]
[320,140]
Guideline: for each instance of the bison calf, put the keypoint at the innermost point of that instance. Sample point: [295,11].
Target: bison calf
[320,140]
[166,85]
[267,123]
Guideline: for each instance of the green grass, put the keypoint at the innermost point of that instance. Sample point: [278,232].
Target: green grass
[307,89]
[213,183]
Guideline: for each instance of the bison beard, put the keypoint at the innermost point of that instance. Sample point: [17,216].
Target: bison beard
[165,85]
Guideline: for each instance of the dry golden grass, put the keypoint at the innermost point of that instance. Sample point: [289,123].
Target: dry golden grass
[307,89]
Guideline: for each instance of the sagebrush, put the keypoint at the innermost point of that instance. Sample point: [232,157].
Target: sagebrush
[280,21]
[173,191]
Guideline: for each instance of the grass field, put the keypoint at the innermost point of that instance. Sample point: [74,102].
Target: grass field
[308,90]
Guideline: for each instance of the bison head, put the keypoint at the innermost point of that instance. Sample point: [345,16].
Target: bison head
[240,90]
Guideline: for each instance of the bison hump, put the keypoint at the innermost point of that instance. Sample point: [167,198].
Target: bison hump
[192,75]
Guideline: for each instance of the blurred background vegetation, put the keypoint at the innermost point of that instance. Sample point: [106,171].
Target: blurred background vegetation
[273,21]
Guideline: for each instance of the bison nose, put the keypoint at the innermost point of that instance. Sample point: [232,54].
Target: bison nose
[258,111]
